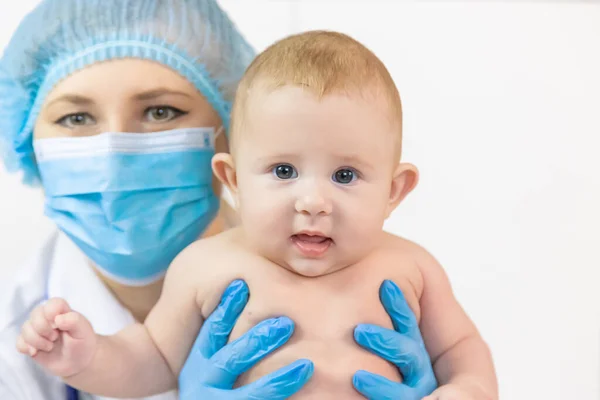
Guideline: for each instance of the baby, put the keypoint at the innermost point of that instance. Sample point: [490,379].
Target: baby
[315,170]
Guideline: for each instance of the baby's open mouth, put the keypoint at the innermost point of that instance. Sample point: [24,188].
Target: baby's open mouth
[311,245]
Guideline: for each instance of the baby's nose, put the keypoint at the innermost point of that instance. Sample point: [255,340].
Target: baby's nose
[313,204]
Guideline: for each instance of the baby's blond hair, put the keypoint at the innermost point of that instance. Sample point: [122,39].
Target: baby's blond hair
[322,62]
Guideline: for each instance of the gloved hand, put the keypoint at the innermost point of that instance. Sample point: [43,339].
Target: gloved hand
[402,346]
[213,366]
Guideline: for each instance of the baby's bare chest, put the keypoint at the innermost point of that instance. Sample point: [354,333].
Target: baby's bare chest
[325,307]
[325,311]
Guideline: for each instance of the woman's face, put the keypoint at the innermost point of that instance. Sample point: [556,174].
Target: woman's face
[127,95]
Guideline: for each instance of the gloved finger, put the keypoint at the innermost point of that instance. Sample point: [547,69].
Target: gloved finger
[403,318]
[241,354]
[409,356]
[424,381]
[374,386]
[217,327]
[279,385]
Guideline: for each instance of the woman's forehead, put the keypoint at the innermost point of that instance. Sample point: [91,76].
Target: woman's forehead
[126,77]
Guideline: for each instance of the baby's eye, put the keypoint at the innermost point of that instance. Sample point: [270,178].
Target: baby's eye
[75,120]
[285,171]
[344,176]
[162,113]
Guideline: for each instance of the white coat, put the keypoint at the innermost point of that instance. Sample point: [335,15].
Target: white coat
[57,269]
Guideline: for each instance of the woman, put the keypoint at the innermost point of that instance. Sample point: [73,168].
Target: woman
[167,71]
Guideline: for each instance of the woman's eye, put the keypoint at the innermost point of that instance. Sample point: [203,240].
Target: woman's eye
[163,113]
[74,120]
[344,176]
[285,171]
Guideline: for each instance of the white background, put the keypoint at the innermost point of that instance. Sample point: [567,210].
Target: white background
[502,116]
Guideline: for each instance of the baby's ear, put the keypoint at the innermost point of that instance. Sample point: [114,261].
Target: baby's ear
[404,181]
[224,169]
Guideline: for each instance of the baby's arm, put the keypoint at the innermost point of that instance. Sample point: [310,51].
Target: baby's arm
[140,360]
[461,359]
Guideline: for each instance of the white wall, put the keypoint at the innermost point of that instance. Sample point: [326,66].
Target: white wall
[501,108]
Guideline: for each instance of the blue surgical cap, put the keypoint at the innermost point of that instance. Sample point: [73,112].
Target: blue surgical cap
[193,37]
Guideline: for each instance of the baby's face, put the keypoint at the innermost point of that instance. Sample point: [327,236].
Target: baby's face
[314,177]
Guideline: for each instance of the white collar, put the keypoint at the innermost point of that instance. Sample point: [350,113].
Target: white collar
[73,279]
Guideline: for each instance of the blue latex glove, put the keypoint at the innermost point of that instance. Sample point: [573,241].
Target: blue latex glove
[402,346]
[213,365]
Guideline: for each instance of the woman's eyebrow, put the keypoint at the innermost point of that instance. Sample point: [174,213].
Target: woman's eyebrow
[73,99]
[154,93]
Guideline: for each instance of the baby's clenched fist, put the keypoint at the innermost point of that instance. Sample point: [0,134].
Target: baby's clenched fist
[58,338]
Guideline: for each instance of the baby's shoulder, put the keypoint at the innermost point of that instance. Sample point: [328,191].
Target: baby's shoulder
[218,245]
[400,259]
[205,258]
[400,248]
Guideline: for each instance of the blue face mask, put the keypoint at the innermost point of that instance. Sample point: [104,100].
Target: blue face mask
[131,202]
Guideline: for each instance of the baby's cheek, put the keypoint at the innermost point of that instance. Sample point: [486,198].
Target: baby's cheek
[359,230]
[261,206]
[256,211]
[363,216]
[263,224]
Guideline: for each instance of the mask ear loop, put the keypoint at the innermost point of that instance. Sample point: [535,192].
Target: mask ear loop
[215,135]
[219,131]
